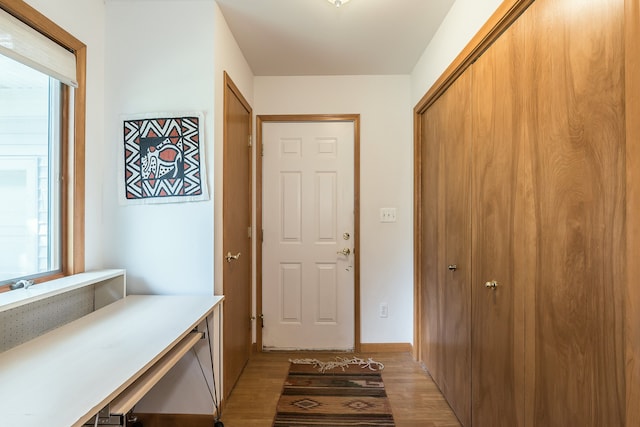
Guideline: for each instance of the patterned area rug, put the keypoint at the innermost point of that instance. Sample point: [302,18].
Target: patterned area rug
[350,395]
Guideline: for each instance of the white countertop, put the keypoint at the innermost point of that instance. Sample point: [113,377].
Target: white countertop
[64,377]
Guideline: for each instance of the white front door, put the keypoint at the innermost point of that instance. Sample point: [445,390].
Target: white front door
[308,221]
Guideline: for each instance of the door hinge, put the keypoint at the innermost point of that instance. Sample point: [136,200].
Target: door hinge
[262,151]
[249,232]
[262,320]
[262,236]
[250,141]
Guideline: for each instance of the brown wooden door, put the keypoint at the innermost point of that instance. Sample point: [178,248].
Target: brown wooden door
[502,246]
[632,195]
[549,211]
[446,149]
[237,238]
[576,79]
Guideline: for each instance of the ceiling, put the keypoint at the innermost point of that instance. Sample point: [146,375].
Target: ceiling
[313,37]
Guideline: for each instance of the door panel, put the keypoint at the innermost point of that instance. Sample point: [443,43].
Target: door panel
[308,187]
[576,76]
[501,228]
[549,211]
[431,240]
[447,233]
[236,238]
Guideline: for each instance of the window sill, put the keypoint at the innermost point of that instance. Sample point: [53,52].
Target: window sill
[20,297]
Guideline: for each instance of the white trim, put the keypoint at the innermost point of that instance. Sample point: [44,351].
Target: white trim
[20,297]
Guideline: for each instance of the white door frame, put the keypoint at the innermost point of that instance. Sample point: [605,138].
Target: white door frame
[355,119]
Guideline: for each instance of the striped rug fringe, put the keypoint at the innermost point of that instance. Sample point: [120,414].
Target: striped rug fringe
[340,362]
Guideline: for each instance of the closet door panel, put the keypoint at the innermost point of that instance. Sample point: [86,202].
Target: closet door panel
[577,147]
[632,307]
[456,304]
[432,243]
[446,241]
[502,234]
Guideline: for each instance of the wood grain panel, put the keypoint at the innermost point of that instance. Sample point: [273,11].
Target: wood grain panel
[456,305]
[632,309]
[500,20]
[237,207]
[430,275]
[389,347]
[418,249]
[446,241]
[576,75]
[499,232]
[175,420]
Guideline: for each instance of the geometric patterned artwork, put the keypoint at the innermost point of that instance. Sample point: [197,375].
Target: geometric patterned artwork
[162,158]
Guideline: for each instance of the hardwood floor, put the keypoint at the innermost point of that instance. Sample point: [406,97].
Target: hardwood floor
[415,399]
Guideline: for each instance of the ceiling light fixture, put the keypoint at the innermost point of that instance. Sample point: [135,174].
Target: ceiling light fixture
[337,3]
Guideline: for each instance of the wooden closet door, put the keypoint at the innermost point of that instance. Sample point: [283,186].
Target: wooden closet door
[503,247]
[576,76]
[446,131]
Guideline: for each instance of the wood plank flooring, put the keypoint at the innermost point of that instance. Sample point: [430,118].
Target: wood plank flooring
[415,399]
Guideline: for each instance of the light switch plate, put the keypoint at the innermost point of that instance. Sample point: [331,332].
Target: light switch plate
[387,214]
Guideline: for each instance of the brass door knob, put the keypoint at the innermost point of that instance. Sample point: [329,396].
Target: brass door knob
[491,285]
[229,257]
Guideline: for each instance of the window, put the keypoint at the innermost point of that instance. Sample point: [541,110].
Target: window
[30,121]
[41,147]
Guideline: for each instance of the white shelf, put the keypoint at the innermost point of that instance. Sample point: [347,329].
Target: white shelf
[20,297]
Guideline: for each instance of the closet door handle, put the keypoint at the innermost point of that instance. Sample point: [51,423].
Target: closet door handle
[491,285]
[452,267]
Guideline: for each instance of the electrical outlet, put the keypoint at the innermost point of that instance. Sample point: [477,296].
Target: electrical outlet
[384,310]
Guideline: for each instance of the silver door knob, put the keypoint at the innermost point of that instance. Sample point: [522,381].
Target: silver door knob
[345,251]
[452,267]
[491,285]
[229,257]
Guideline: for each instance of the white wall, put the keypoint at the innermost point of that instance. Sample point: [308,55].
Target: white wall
[386,180]
[159,58]
[462,22]
[85,20]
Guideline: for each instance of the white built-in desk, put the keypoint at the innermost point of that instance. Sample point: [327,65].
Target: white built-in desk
[63,378]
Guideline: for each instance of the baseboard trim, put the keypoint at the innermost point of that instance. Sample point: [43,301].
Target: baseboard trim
[399,347]
[175,420]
